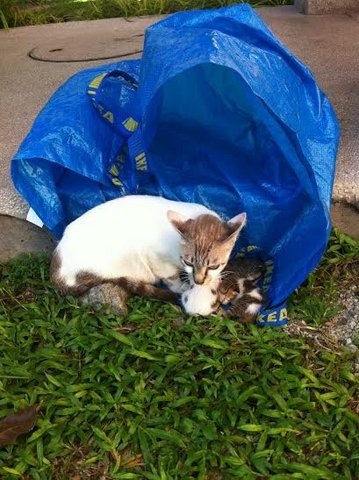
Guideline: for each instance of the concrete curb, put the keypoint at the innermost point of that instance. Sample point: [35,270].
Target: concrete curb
[326,7]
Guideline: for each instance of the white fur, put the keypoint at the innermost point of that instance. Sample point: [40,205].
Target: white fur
[256,294]
[214,274]
[241,287]
[199,299]
[127,237]
[253,308]
[187,268]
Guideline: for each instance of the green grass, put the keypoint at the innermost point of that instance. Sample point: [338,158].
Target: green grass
[160,396]
[15,13]
[317,301]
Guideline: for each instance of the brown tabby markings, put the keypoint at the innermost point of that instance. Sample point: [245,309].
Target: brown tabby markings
[87,280]
[208,242]
[238,309]
[55,267]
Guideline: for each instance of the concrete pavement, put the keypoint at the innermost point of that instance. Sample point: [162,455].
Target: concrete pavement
[34,61]
[26,84]
[329,45]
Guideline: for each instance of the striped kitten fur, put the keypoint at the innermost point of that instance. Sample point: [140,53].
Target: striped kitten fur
[239,288]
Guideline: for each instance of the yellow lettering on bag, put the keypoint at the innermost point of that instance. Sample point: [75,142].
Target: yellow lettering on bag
[108,116]
[96,82]
[114,171]
[116,181]
[130,124]
[272,317]
[283,314]
[141,162]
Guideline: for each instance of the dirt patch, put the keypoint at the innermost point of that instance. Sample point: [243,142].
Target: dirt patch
[340,332]
[346,218]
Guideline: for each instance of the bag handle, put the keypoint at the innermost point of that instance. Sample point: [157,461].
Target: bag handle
[125,124]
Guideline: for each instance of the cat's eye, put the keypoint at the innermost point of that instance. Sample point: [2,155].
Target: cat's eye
[189,264]
[213,267]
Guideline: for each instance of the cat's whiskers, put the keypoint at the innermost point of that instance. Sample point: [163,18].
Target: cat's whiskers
[184,276]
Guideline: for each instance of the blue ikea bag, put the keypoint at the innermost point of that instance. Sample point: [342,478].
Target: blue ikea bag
[217,112]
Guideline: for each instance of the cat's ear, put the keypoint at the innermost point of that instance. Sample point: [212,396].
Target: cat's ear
[179,221]
[236,224]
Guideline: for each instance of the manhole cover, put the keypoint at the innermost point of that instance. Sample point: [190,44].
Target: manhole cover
[73,49]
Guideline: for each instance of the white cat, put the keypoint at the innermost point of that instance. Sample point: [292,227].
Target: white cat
[138,240]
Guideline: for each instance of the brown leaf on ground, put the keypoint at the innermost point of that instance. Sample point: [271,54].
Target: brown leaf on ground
[354,405]
[16,424]
[128,328]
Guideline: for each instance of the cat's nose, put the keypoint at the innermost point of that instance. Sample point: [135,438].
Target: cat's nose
[199,280]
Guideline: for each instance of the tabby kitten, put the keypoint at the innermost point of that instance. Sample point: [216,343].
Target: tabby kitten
[239,288]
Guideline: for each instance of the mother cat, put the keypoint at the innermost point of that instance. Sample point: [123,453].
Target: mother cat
[138,240]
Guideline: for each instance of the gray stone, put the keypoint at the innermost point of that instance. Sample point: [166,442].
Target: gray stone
[107,295]
[325,7]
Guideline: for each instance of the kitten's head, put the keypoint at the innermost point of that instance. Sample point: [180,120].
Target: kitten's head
[230,288]
[207,244]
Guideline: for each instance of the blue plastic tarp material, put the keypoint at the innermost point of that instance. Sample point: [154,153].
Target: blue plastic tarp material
[217,112]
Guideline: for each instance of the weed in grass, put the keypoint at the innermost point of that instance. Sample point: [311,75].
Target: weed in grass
[159,395]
